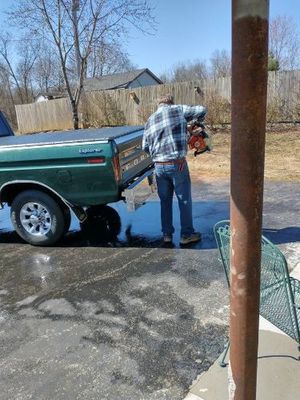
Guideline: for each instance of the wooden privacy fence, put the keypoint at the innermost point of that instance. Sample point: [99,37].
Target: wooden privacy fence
[44,116]
[133,106]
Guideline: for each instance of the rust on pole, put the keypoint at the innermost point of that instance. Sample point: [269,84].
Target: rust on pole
[249,95]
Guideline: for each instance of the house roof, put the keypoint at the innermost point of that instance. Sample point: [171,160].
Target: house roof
[116,81]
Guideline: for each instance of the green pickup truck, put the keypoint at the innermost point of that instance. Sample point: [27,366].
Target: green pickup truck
[45,176]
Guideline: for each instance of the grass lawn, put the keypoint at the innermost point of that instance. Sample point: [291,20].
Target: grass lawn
[282,161]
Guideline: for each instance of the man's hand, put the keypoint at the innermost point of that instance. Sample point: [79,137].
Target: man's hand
[195,129]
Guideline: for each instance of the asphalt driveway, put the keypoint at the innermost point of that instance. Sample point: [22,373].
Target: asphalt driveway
[128,319]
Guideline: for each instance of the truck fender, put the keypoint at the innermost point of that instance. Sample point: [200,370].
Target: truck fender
[10,189]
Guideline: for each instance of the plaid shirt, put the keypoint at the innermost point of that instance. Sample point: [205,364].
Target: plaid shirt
[165,134]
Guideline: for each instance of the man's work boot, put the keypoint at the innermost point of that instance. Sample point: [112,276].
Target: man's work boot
[168,239]
[193,238]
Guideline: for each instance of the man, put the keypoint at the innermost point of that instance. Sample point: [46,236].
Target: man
[165,138]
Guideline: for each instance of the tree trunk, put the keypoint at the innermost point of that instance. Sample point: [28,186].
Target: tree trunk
[75,115]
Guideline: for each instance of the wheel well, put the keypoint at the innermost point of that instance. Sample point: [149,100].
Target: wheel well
[10,191]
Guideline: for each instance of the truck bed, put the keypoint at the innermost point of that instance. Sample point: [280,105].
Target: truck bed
[86,167]
[81,135]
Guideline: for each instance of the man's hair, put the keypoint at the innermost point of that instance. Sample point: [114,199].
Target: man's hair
[166,99]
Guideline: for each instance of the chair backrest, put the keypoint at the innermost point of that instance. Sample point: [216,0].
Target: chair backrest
[276,295]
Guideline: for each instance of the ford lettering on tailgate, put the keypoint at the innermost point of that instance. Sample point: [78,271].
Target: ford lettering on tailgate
[134,162]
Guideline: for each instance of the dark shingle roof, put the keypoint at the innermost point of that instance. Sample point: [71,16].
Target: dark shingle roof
[116,81]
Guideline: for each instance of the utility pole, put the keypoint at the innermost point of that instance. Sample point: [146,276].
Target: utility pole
[75,9]
[249,95]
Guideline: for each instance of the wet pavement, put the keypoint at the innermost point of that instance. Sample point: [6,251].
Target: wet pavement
[128,318]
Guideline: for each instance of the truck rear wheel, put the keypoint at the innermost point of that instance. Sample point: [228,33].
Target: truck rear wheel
[102,221]
[38,218]
[67,218]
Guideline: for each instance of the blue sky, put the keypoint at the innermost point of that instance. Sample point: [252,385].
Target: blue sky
[187,30]
[193,29]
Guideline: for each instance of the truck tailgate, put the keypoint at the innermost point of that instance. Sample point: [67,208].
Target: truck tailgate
[133,160]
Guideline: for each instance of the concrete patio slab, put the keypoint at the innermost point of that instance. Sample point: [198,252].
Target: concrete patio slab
[278,375]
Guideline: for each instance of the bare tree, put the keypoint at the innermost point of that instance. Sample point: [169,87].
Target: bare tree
[186,71]
[8,70]
[220,64]
[108,58]
[47,71]
[284,42]
[74,27]
[17,66]
[28,52]
[7,95]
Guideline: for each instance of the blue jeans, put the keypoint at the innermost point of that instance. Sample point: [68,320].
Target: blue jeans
[172,178]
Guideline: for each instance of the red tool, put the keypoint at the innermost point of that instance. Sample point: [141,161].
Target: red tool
[199,140]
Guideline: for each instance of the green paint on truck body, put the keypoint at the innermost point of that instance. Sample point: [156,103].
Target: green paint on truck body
[77,165]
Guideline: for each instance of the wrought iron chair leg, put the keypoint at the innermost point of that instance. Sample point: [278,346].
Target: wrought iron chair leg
[224,354]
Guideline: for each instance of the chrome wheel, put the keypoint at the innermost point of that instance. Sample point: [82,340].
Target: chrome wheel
[38,218]
[35,219]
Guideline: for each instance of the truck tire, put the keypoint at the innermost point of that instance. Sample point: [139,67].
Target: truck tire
[102,221]
[38,218]
[67,218]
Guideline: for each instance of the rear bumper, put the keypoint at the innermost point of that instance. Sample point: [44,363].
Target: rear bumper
[136,194]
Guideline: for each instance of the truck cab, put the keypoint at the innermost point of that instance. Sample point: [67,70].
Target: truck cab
[5,129]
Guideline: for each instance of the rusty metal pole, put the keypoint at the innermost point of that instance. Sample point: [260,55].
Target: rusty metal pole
[249,95]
